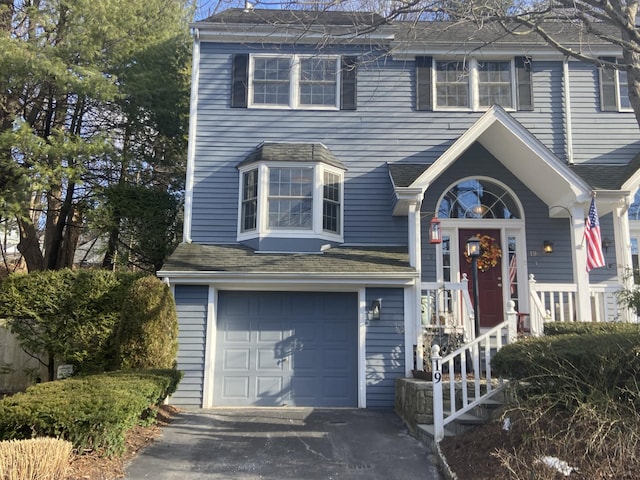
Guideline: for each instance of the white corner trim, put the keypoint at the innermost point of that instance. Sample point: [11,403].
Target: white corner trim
[362,348]
[191,149]
[209,348]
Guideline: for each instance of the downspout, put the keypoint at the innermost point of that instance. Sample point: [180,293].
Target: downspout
[191,149]
[567,110]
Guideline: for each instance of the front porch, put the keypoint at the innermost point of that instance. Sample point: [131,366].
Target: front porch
[459,360]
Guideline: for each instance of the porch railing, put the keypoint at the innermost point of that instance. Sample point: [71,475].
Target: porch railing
[556,302]
[470,381]
[447,306]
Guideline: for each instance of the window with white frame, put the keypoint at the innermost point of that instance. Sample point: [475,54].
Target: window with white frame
[474,84]
[614,89]
[291,200]
[294,81]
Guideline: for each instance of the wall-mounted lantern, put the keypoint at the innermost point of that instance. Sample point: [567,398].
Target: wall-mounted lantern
[435,233]
[548,246]
[376,307]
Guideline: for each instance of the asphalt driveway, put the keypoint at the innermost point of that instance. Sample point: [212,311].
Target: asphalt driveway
[285,443]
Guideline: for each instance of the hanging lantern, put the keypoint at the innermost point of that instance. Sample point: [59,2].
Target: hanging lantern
[435,234]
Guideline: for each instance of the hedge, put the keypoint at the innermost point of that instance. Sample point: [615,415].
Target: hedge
[92,412]
[565,328]
[601,366]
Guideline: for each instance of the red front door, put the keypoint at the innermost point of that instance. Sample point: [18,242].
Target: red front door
[490,308]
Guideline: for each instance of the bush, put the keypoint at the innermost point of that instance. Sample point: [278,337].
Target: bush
[66,315]
[595,367]
[92,412]
[35,459]
[148,333]
[564,328]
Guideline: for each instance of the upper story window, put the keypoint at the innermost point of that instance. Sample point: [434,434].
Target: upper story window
[473,84]
[301,199]
[614,89]
[319,82]
[294,81]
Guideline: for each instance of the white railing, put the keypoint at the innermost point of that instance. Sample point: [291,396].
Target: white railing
[469,369]
[447,306]
[556,302]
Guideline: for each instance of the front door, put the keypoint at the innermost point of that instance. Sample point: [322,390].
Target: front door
[490,308]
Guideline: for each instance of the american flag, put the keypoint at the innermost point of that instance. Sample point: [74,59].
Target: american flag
[595,258]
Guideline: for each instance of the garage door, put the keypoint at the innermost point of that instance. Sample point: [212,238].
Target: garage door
[286,348]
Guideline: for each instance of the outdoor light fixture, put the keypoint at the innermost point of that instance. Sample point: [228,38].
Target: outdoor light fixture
[606,243]
[374,313]
[473,251]
[473,247]
[435,234]
[548,246]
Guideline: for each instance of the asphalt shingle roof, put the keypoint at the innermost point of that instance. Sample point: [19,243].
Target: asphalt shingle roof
[259,16]
[240,259]
[404,174]
[292,152]
[602,177]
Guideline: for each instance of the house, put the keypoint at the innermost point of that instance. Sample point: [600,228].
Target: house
[324,150]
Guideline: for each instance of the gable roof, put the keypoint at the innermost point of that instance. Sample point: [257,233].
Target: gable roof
[258,16]
[519,151]
[292,152]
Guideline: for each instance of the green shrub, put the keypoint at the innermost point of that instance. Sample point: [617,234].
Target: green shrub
[92,412]
[66,315]
[571,367]
[35,459]
[564,328]
[148,333]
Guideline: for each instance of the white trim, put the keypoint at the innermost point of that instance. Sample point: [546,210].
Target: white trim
[567,109]
[473,83]
[191,149]
[294,82]
[292,281]
[210,347]
[362,348]
[316,231]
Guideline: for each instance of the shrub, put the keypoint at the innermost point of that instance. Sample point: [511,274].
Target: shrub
[34,459]
[66,315]
[148,333]
[92,412]
[564,328]
[597,367]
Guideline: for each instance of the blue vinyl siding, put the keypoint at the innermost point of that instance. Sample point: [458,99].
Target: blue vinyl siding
[385,347]
[384,128]
[191,305]
[599,137]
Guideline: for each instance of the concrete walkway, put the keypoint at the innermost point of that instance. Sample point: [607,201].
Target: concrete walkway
[285,443]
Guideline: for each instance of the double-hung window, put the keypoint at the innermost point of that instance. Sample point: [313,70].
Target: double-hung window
[473,84]
[294,81]
[291,200]
[614,89]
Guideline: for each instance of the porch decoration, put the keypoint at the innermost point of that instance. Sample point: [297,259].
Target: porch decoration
[490,253]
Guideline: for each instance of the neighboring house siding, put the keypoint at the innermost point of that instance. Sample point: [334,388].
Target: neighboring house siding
[384,128]
[191,305]
[385,347]
[599,137]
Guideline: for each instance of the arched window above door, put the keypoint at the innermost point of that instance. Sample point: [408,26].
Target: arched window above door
[476,198]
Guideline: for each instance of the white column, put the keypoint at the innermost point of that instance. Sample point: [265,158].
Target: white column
[412,316]
[580,275]
[624,262]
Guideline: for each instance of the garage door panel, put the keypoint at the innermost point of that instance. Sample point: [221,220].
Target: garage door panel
[297,353]
[236,387]
[237,359]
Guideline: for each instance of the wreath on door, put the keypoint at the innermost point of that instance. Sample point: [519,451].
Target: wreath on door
[490,253]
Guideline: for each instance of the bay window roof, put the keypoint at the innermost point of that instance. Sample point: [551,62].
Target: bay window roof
[292,152]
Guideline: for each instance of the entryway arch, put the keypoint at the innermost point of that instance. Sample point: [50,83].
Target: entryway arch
[488,208]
